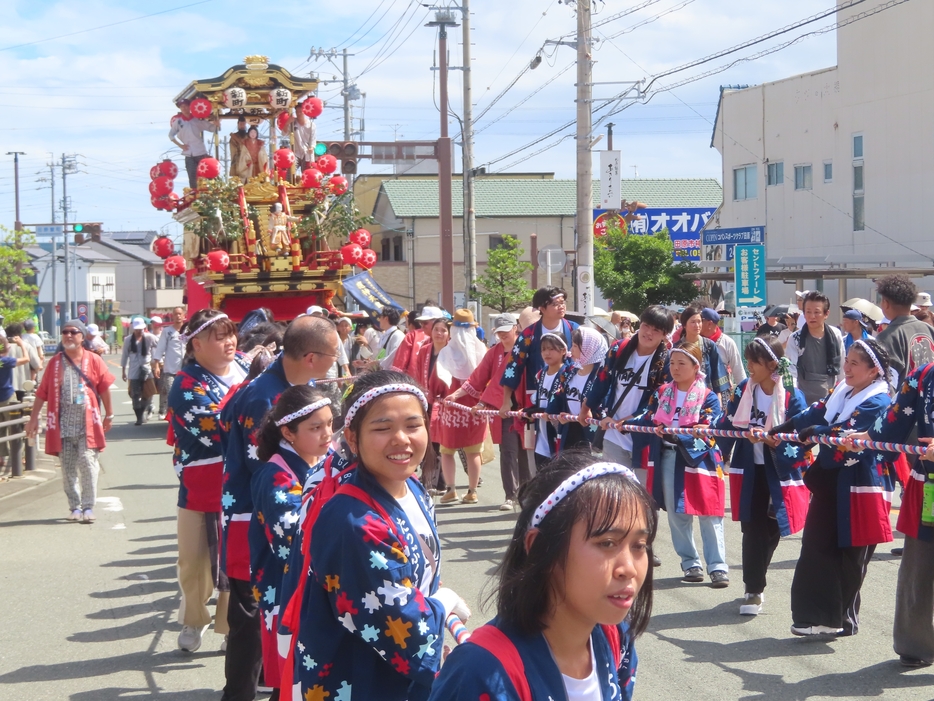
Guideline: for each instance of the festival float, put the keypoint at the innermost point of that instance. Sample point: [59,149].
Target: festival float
[278,238]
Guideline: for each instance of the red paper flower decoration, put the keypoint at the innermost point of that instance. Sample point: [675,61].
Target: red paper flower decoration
[313,107]
[361,237]
[338,185]
[312,178]
[201,108]
[283,158]
[163,247]
[218,261]
[368,259]
[327,164]
[209,168]
[174,266]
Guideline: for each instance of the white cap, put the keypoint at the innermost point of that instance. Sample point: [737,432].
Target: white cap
[155,320]
[138,323]
[94,330]
[429,313]
[315,309]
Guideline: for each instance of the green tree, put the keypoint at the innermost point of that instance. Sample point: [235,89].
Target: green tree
[636,271]
[502,286]
[17,298]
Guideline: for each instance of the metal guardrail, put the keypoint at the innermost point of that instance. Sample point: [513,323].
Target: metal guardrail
[19,415]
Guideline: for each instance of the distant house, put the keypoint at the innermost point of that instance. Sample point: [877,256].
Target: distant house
[92,278]
[142,287]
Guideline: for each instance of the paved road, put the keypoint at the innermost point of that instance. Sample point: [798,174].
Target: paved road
[91,609]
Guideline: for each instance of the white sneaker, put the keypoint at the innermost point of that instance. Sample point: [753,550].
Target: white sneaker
[752,605]
[189,639]
[75,515]
[815,630]
[87,516]
[224,644]
[507,505]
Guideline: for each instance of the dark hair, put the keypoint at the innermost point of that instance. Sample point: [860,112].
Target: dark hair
[305,335]
[293,399]
[552,343]
[577,338]
[920,315]
[817,296]
[881,353]
[690,311]
[412,318]
[524,592]
[253,128]
[219,329]
[543,296]
[253,336]
[392,314]
[14,329]
[364,383]
[657,317]
[897,289]
[262,360]
[756,353]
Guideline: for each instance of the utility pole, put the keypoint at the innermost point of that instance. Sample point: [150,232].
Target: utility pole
[585,287]
[444,18]
[349,91]
[346,93]
[18,225]
[68,166]
[469,220]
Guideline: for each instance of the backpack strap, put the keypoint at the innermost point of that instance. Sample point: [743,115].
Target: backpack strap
[494,641]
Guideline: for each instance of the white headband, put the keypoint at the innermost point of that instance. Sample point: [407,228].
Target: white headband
[372,394]
[576,480]
[872,356]
[690,355]
[190,335]
[555,336]
[765,344]
[304,411]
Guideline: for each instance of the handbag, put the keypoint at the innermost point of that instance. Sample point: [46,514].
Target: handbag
[601,432]
[149,388]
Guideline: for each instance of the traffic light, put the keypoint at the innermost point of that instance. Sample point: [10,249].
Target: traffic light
[346,154]
[87,231]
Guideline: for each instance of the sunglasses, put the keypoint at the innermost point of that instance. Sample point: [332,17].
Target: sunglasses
[71,332]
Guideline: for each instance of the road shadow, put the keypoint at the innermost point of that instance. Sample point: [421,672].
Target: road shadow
[166,603]
[141,588]
[158,519]
[63,521]
[161,662]
[125,487]
[142,563]
[151,538]
[116,694]
[156,549]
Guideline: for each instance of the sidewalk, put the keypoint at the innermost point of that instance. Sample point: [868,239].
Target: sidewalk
[47,469]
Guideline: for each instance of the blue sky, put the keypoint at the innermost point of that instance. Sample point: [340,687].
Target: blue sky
[106,94]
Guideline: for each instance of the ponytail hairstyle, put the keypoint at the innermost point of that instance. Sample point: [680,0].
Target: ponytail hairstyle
[757,351]
[290,401]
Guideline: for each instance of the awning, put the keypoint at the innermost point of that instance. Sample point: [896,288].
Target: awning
[368,294]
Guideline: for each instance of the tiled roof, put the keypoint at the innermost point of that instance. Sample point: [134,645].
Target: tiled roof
[544,198]
[140,253]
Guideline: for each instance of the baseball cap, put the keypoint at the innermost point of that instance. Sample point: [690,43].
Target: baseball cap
[504,322]
[94,330]
[429,313]
[709,314]
[138,323]
[853,314]
[155,320]
[315,309]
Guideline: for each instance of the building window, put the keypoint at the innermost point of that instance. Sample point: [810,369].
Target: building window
[802,177]
[159,281]
[776,173]
[859,213]
[494,242]
[828,172]
[397,248]
[858,146]
[386,245]
[858,178]
[744,183]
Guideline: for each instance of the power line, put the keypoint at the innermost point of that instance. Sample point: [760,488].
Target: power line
[526,98]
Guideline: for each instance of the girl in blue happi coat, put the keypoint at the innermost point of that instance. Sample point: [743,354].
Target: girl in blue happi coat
[556,361]
[294,435]
[767,489]
[575,590]
[588,349]
[371,612]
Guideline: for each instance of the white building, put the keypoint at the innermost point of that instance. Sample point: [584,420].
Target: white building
[836,164]
[92,278]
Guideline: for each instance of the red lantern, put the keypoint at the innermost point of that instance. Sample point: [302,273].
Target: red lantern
[282,121]
[209,168]
[283,158]
[155,172]
[161,186]
[368,259]
[201,108]
[170,202]
[174,266]
[327,164]
[351,253]
[338,185]
[313,107]
[361,237]
[163,247]
[311,178]
[218,261]
[157,202]
[168,169]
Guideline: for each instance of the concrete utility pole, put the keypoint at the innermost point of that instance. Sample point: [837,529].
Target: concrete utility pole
[346,93]
[349,91]
[469,219]
[68,166]
[18,225]
[584,220]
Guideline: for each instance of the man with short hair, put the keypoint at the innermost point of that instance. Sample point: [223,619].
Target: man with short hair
[772,327]
[34,340]
[526,361]
[855,327]
[729,353]
[309,348]
[815,351]
[76,391]
[187,132]
[910,342]
[168,356]
[390,340]
[304,130]
[18,347]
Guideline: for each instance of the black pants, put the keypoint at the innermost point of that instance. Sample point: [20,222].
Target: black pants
[191,167]
[760,534]
[244,644]
[825,589]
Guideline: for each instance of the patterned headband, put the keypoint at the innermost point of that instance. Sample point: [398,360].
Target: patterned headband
[190,335]
[304,411]
[765,344]
[872,356]
[372,394]
[576,480]
[690,355]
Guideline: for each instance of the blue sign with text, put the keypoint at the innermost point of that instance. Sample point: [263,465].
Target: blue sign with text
[720,243]
[750,276]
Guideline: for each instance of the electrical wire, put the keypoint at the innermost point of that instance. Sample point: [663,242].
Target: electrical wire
[377,63]
[526,98]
